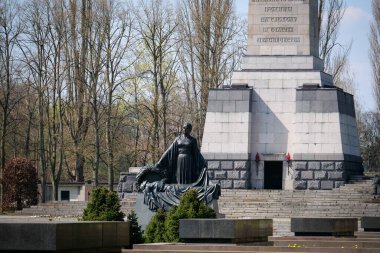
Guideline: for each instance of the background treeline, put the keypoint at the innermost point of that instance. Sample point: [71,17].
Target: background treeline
[91,87]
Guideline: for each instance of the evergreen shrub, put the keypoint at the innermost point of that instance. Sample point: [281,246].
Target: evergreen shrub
[135,232]
[155,230]
[104,205]
[164,227]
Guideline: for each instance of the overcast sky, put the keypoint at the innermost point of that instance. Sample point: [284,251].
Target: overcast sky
[355,27]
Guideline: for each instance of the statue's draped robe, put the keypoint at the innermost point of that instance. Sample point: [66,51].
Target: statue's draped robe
[189,171]
[167,192]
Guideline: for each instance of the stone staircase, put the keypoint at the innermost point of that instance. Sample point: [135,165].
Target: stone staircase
[351,200]
[55,209]
[71,209]
[363,242]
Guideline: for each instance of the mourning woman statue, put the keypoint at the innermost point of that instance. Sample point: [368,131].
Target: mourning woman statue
[181,167]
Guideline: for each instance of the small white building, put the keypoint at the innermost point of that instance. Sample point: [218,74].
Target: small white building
[70,191]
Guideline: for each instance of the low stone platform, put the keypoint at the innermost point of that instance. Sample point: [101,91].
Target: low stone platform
[225,230]
[371,224]
[37,236]
[323,226]
[365,242]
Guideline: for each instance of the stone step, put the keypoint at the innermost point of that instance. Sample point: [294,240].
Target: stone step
[324,195]
[295,199]
[199,248]
[362,234]
[299,204]
[285,203]
[311,209]
[278,196]
[323,238]
[332,212]
[352,244]
[296,205]
[351,200]
[297,214]
[61,207]
[291,207]
[331,209]
[234,212]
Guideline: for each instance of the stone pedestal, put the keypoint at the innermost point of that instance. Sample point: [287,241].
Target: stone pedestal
[63,236]
[127,181]
[370,224]
[144,215]
[324,226]
[225,230]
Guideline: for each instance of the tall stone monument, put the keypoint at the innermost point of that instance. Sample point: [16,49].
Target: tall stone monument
[282,124]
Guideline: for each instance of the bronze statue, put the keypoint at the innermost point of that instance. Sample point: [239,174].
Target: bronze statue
[181,167]
[183,160]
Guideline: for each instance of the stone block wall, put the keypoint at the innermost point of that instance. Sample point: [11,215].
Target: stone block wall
[282,62]
[325,123]
[127,183]
[319,175]
[227,126]
[230,174]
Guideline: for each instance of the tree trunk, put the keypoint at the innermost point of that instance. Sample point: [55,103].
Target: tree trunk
[156,140]
[42,151]
[95,172]
[27,139]
[3,138]
[109,143]
[55,190]
[79,165]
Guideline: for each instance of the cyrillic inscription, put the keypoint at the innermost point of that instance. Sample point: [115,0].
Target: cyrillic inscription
[282,27]
[278,9]
[278,29]
[276,1]
[279,19]
[279,40]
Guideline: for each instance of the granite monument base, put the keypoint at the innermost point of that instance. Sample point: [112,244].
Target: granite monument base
[225,230]
[324,226]
[64,236]
[144,215]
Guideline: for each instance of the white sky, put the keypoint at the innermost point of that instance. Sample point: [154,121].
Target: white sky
[355,27]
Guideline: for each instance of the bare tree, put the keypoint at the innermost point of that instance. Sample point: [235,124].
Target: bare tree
[97,10]
[35,48]
[374,40]
[28,109]
[157,30]
[92,86]
[10,30]
[369,129]
[78,109]
[55,94]
[334,54]
[209,30]
[119,40]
